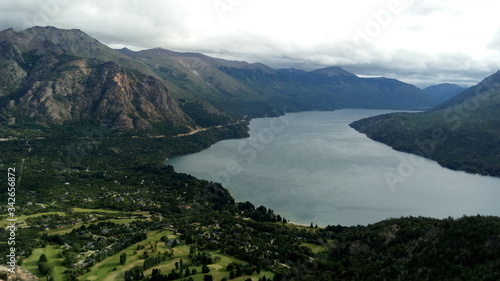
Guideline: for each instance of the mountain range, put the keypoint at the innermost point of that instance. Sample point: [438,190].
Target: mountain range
[53,77]
[56,81]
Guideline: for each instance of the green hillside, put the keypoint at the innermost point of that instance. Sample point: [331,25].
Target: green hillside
[462,133]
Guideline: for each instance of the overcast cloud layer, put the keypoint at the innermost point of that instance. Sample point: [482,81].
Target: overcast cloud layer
[421,42]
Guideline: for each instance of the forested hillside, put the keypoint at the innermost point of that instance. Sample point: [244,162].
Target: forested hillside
[462,133]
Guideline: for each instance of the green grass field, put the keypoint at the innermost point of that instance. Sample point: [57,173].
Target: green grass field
[23,218]
[52,253]
[315,248]
[83,210]
[105,270]
[110,268]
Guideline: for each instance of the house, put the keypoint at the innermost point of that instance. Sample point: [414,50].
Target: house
[171,242]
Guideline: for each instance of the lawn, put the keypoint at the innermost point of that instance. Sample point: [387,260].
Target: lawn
[105,270]
[23,218]
[110,268]
[52,253]
[217,270]
[315,248]
[83,210]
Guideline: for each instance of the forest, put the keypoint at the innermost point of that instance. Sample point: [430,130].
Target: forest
[106,206]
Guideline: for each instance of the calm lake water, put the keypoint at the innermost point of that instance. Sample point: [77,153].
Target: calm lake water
[312,167]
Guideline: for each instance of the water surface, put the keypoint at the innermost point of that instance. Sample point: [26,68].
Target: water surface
[312,167]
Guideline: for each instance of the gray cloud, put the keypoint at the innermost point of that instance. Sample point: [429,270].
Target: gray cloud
[301,41]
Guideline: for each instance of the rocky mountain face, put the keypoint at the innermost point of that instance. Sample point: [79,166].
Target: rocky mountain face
[45,84]
[462,133]
[234,88]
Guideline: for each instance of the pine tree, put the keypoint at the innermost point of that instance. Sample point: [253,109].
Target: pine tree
[123,258]
[43,258]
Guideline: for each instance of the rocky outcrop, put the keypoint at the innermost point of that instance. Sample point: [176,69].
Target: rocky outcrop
[19,274]
[54,88]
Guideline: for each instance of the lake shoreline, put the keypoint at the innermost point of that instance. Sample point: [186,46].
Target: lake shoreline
[344,180]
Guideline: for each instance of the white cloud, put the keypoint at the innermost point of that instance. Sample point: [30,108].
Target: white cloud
[424,41]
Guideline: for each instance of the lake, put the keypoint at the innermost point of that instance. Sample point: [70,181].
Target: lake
[313,167]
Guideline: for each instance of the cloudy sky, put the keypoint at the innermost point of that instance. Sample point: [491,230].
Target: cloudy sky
[417,41]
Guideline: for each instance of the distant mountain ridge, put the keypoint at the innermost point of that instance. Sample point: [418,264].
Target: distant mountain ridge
[54,77]
[233,82]
[443,92]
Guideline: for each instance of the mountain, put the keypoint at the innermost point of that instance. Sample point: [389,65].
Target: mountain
[53,77]
[443,92]
[462,133]
[334,85]
[256,89]
[198,80]
[48,81]
[73,42]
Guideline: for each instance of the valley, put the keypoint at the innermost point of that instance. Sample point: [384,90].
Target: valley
[89,128]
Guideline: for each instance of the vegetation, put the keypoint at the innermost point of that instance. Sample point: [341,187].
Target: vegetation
[133,221]
[95,205]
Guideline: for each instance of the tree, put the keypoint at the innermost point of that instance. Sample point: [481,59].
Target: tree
[156,272]
[70,258]
[239,272]
[123,258]
[44,268]
[177,265]
[43,258]
[128,276]
[187,273]
[192,251]
[208,277]
[205,269]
